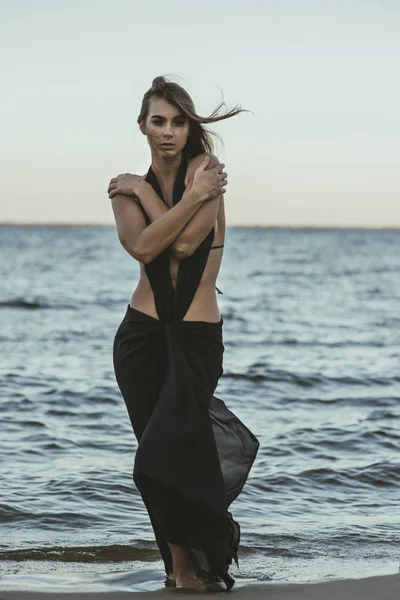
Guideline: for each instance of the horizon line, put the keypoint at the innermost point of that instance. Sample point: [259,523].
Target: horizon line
[244,226]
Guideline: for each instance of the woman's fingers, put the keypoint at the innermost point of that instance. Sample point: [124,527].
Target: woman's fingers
[111,187]
[112,184]
[116,179]
[114,191]
[224,180]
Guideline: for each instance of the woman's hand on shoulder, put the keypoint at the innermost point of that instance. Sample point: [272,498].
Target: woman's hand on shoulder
[195,162]
[127,184]
[208,176]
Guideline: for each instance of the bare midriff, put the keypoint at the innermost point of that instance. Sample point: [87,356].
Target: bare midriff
[204,306]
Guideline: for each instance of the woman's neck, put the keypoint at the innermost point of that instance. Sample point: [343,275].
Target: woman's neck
[166,170]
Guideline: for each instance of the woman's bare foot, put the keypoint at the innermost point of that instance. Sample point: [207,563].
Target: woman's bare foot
[188,581]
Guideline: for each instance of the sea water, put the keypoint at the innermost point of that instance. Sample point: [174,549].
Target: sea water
[311,366]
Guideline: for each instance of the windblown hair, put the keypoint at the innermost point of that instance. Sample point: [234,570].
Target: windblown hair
[199,138]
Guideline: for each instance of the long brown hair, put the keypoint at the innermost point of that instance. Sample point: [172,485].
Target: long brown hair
[199,138]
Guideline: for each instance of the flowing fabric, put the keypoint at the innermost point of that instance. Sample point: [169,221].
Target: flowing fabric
[193,455]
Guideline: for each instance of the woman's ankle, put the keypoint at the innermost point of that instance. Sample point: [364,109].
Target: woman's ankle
[189,573]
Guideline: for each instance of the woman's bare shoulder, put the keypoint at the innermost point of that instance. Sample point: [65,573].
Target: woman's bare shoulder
[194,163]
[197,159]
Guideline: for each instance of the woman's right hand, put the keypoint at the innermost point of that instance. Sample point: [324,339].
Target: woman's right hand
[127,184]
[211,183]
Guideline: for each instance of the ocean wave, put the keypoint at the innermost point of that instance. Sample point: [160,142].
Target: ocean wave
[20,303]
[113,553]
[259,372]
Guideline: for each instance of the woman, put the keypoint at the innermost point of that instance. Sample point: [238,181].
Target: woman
[193,454]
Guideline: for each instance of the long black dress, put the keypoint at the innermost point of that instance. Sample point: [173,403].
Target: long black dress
[193,455]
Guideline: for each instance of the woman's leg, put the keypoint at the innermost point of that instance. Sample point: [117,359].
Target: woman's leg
[184,569]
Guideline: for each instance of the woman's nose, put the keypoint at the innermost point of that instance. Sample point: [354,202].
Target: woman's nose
[168,129]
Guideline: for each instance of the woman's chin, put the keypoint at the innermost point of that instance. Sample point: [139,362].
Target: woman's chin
[168,154]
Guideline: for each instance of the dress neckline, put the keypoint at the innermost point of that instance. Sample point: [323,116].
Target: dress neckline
[179,183]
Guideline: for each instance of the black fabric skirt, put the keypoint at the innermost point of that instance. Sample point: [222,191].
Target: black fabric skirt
[193,454]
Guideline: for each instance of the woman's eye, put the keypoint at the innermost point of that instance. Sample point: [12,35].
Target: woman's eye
[158,122]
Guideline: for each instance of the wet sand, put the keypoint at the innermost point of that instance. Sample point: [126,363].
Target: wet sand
[385,587]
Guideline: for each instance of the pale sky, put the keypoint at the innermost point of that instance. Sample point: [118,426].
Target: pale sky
[321,77]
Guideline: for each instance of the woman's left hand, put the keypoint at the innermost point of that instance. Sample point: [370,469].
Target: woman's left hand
[127,184]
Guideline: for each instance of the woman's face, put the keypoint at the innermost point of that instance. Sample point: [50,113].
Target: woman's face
[166,124]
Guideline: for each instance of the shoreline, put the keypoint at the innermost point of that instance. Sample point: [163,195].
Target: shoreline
[384,587]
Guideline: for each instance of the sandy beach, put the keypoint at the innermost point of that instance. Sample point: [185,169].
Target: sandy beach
[385,587]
